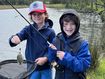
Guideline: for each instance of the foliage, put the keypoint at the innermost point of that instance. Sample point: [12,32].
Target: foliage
[16,2]
[95,56]
[99,72]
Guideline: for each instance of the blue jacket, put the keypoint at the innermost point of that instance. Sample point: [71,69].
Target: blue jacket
[36,46]
[77,58]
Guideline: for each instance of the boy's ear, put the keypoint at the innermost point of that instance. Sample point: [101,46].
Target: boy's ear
[50,23]
[61,23]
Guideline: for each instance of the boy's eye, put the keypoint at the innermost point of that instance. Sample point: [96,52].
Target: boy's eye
[65,23]
[68,23]
[37,14]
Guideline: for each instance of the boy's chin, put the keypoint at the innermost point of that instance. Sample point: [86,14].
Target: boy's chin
[68,35]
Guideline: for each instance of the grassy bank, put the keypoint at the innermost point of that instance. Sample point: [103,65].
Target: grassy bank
[9,7]
[58,6]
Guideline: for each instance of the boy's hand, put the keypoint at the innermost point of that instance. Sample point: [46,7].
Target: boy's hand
[41,60]
[60,54]
[52,46]
[15,39]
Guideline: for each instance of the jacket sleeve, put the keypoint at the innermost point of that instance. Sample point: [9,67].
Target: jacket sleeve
[51,54]
[52,36]
[24,33]
[79,62]
[10,42]
[22,36]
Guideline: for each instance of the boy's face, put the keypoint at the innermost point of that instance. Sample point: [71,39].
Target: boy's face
[38,18]
[69,27]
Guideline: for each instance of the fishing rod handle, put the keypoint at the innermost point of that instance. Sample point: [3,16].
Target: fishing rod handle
[48,43]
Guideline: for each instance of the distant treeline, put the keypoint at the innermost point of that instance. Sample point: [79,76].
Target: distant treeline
[25,2]
[16,2]
[76,2]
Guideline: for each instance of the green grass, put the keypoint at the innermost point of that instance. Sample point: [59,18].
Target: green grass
[9,7]
[99,72]
[58,6]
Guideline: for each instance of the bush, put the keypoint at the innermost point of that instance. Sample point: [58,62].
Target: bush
[99,72]
[94,52]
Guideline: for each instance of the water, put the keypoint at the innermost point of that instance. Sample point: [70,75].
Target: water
[11,22]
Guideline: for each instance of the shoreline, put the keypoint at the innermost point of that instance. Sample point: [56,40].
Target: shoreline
[56,6]
[3,7]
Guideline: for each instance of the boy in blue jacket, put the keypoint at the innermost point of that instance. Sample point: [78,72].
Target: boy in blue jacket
[69,50]
[36,47]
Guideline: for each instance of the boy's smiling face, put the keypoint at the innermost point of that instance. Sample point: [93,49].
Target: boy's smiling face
[38,18]
[69,27]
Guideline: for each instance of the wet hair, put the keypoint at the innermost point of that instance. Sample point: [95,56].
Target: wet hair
[68,18]
[71,17]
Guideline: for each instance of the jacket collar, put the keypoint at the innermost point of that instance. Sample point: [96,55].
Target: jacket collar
[48,24]
[73,42]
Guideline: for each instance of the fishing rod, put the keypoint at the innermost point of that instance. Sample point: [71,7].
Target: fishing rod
[28,22]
